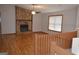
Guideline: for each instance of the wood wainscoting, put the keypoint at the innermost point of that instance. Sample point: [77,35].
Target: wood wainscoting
[43,42]
[64,40]
[57,50]
[0,42]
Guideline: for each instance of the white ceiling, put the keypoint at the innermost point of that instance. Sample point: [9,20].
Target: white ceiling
[44,8]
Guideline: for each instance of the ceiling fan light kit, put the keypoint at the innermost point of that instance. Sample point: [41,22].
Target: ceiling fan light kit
[33,12]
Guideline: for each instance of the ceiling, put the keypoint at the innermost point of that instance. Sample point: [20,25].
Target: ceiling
[44,8]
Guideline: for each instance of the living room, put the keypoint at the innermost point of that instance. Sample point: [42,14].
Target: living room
[17,21]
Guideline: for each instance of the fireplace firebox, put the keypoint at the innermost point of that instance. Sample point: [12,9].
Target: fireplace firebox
[23,28]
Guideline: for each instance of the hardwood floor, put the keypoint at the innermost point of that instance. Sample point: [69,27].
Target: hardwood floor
[18,44]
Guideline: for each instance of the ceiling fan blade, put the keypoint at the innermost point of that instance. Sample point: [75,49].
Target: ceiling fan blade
[38,12]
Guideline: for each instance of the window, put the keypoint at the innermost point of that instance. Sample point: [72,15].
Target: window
[55,23]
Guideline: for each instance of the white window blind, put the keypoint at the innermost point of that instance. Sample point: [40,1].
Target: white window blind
[55,23]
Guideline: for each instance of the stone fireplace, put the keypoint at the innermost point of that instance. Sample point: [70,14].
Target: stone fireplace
[23,20]
[24,26]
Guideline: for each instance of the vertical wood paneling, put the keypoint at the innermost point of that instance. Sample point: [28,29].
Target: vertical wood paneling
[64,40]
[56,50]
[42,41]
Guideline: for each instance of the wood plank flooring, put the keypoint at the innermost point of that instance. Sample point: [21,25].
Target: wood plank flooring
[18,44]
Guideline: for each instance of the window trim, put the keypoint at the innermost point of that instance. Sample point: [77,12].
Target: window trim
[61,23]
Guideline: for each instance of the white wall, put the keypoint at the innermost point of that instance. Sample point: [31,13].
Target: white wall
[77,24]
[8,19]
[69,20]
[36,26]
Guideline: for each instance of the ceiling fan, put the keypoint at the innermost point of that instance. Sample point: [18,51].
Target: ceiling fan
[33,9]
